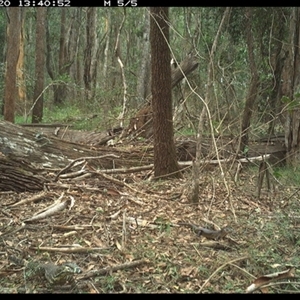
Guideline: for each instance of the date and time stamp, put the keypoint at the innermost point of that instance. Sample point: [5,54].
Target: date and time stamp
[64,3]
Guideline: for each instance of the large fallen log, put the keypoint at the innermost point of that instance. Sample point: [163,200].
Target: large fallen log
[27,157]
[43,151]
[19,176]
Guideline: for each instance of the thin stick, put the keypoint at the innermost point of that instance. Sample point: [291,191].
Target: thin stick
[109,269]
[124,230]
[82,159]
[220,268]
[32,199]
[75,249]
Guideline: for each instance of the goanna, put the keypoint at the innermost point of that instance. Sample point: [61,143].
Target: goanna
[51,274]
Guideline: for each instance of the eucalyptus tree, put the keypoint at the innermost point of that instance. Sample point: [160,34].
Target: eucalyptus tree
[165,159]
[90,52]
[12,55]
[40,59]
[291,88]
[61,49]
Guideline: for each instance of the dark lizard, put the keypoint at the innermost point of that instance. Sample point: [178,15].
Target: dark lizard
[208,233]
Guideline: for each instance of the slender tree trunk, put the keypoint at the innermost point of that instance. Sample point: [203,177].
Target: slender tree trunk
[90,61]
[21,86]
[119,59]
[165,159]
[252,92]
[194,192]
[144,72]
[58,67]
[74,53]
[12,56]
[107,45]
[37,112]
[277,62]
[60,91]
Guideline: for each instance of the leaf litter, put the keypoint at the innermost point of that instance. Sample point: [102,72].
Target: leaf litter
[127,240]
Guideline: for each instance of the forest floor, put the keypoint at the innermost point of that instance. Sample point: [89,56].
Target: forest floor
[128,241]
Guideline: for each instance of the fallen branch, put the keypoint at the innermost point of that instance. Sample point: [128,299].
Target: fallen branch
[71,227]
[183,164]
[33,199]
[122,184]
[51,211]
[70,249]
[220,268]
[80,160]
[227,160]
[109,269]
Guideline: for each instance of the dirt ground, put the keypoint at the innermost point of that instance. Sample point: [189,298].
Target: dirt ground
[128,241]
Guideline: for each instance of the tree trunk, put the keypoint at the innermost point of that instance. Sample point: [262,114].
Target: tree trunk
[107,46]
[277,57]
[12,56]
[290,88]
[252,92]
[73,50]
[165,160]
[21,86]
[119,59]
[60,89]
[37,112]
[144,72]
[58,67]
[90,61]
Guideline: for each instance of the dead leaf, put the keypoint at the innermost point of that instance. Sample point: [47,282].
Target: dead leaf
[98,242]
[265,279]
[115,215]
[118,245]
[187,271]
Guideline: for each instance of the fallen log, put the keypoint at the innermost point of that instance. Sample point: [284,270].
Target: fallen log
[27,156]
[19,175]
[42,151]
[29,159]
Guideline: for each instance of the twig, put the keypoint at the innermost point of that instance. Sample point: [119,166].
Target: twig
[121,183]
[109,269]
[12,231]
[124,230]
[71,227]
[68,249]
[220,268]
[82,159]
[32,199]
[75,174]
[243,270]
[183,164]
[93,286]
